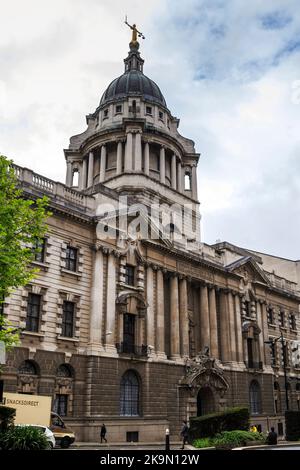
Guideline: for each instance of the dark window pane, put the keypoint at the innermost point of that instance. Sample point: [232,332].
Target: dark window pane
[129,275]
[27,367]
[255,398]
[71,258]
[129,403]
[128,333]
[39,249]
[68,319]
[33,312]
[61,405]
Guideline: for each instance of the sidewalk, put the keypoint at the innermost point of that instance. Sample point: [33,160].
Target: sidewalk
[129,445]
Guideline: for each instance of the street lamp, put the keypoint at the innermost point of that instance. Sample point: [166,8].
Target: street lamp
[273,341]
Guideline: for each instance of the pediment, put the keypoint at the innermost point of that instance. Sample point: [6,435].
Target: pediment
[249,270]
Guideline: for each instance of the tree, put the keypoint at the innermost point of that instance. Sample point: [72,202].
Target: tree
[22,227]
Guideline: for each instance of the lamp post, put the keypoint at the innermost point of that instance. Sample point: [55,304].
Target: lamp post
[273,341]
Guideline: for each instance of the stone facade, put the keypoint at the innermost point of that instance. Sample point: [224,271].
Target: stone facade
[137,329]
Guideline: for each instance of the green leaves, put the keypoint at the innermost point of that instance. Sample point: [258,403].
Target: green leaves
[22,224]
[23,438]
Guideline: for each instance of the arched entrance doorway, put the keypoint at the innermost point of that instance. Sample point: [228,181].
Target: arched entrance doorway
[205,401]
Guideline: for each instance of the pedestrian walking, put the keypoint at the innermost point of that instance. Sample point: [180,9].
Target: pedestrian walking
[184,433]
[272,438]
[103,433]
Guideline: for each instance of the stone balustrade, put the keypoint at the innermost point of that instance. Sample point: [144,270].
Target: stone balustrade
[53,188]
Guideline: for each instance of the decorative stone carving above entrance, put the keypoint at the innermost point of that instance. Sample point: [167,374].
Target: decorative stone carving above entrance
[204,371]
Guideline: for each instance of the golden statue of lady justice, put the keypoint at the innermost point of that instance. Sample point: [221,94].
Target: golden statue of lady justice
[135,32]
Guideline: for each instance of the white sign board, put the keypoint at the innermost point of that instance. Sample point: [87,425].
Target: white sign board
[2,353]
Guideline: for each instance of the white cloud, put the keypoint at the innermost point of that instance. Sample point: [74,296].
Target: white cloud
[226,68]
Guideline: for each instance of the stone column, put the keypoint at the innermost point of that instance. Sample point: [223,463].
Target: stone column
[160,314]
[119,157]
[146,159]
[179,177]
[194,182]
[69,174]
[102,163]
[138,152]
[173,172]
[263,324]
[174,307]
[239,333]
[91,170]
[214,348]
[232,331]
[224,328]
[183,317]
[110,303]
[150,310]
[128,152]
[96,316]
[204,318]
[83,176]
[162,165]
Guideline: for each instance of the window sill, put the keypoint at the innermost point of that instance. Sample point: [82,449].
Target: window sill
[41,264]
[294,331]
[72,273]
[33,333]
[66,338]
[272,325]
[128,286]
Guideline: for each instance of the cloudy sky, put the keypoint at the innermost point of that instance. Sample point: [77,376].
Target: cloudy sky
[229,69]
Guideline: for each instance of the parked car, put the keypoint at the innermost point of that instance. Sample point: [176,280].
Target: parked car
[64,435]
[48,433]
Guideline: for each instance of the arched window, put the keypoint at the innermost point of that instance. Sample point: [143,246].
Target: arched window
[64,371]
[75,180]
[187,182]
[28,368]
[130,394]
[255,397]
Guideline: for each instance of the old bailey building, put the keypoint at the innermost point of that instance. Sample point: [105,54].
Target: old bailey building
[132,320]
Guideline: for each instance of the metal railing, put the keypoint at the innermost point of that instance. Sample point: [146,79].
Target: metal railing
[254,365]
[128,348]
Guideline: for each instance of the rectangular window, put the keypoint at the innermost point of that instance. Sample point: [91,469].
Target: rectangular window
[33,312]
[270,314]
[148,110]
[161,115]
[68,319]
[250,352]
[128,333]
[129,275]
[71,258]
[132,436]
[61,405]
[39,250]
[282,319]
[118,108]
[293,325]
[105,114]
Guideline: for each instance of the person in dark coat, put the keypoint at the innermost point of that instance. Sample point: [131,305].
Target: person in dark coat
[103,433]
[272,438]
[184,433]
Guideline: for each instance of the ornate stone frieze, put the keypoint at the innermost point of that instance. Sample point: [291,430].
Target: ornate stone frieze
[203,371]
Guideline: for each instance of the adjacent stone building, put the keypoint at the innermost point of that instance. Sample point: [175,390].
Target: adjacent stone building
[132,320]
